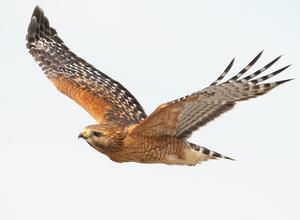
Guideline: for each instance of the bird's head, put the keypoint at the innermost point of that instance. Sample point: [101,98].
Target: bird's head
[101,138]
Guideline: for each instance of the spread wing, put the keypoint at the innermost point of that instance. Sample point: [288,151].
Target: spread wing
[104,98]
[183,116]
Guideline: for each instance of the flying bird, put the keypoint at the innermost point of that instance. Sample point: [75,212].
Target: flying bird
[123,131]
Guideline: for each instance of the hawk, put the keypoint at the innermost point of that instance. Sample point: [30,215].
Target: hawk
[123,131]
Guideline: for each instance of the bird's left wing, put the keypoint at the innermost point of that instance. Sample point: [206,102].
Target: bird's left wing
[104,98]
[183,116]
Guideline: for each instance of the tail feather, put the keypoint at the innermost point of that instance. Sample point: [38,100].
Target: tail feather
[211,154]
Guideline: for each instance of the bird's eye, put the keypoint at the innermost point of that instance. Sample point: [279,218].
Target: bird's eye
[97,134]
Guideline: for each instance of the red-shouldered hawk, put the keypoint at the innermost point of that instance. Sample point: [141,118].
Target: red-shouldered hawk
[124,132]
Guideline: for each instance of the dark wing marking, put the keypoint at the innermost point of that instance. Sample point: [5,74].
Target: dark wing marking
[183,116]
[104,98]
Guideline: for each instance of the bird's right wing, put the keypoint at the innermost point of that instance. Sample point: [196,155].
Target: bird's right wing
[183,116]
[104,98]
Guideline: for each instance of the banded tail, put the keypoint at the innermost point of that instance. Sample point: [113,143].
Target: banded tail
[208,154]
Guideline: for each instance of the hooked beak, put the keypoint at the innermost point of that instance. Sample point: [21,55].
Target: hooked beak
[84,134]
[80,136]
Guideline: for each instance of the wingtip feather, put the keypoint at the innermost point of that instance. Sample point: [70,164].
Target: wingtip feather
[37,12]
[284,81]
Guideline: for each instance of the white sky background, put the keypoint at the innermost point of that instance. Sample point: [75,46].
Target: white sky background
[159,50]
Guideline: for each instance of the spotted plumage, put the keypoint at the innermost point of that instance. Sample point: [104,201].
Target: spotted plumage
[124,132]
[77,78]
